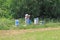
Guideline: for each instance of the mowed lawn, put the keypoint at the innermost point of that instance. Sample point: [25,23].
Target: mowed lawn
[36,35]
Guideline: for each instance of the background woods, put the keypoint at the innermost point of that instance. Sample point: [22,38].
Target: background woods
[18,8]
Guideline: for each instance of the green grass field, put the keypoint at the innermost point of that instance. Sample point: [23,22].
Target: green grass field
[9,24]
[38,35]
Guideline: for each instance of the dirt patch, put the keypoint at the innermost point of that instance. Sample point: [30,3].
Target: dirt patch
[15,32]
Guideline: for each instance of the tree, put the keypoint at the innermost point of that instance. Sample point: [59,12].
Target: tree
[18,8]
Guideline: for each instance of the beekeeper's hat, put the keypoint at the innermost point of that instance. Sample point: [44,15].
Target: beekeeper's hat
[26,14]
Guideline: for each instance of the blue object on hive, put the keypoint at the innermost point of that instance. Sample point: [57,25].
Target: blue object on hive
[16,22]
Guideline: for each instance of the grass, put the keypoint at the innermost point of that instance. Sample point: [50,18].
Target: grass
[9,24]
[42,35]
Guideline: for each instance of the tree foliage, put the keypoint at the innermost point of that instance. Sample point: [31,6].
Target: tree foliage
[40,8]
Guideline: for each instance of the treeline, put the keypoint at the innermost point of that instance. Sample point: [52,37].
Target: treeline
[40,8]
